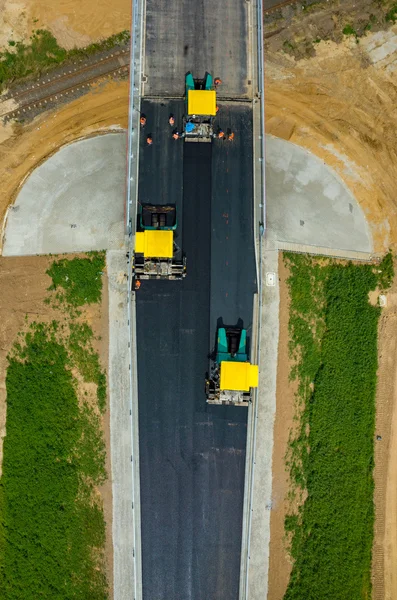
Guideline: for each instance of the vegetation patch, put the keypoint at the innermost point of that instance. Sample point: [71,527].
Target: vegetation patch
[391,14]
[333,333]
[86,359]
[305,23]
[44,53]
[79,278]
[386,272]
[52,529]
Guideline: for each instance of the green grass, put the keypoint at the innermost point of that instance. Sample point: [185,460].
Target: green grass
[87,360]
[43,53]
[52,529]
[386,272]
[349,30]
[288,46]
[80,279]
[391,15]
[333,331]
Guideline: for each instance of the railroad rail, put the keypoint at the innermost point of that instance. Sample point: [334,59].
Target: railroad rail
[54,86]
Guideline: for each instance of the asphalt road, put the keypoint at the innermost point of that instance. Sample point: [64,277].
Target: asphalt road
[192,456]
[233,276]
[161,164]
[204,36]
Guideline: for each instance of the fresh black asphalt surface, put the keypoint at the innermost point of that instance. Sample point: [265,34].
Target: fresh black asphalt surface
[233,277]
[204,36]
[192,456]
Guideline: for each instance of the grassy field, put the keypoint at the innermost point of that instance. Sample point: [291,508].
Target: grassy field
[79,278]
[52,529]
[333,331]
[43,53]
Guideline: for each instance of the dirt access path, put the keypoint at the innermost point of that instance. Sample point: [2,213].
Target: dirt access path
[280,564]
[384,574]
[74,23]
[23,284]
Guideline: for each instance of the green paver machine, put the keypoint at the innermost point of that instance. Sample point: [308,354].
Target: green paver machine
[156,255]
[200,109]
[231,375]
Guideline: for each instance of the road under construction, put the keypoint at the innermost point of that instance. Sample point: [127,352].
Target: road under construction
[192,453]
[192,456]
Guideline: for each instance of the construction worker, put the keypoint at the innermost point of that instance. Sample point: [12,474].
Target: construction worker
[221,135]
[171,120]
[149,140]
[142,120]
[137,284]
[217,81]
[217,108]
[175,135]
[230,137]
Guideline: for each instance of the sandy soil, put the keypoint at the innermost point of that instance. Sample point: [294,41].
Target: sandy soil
[75,23]
[13,22]
[23,284]
[384,574]
[106,107]
[280,564]
[341,105]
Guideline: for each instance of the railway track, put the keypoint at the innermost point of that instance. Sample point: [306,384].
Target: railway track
[54,86]
[73,78]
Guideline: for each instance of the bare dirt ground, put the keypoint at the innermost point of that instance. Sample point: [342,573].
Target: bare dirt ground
[23,285]
[341,105]
[384,575]
[280,564]
[74,23]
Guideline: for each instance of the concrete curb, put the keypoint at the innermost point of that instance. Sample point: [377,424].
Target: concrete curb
[322,251]
[124,533]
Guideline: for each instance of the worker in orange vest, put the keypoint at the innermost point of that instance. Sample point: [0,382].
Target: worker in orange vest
[149,140]
[217,81]
[221,134]
[230,136]
[217,108]
[171,120]
[137,284]
[142,120]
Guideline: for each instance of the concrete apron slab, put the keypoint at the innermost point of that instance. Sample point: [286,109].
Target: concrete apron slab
[73,202]
[310,206]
